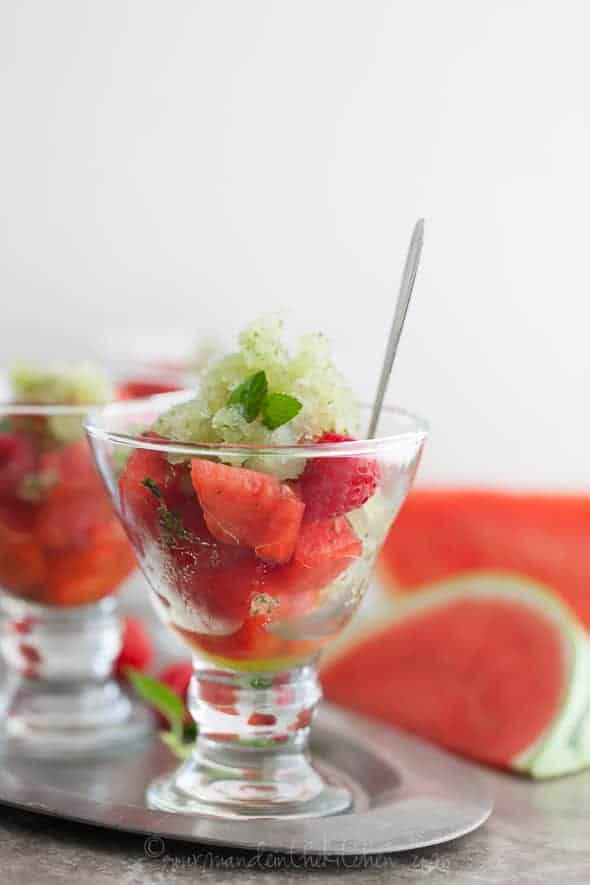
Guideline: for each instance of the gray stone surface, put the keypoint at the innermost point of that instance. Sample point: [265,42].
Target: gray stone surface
[538,833]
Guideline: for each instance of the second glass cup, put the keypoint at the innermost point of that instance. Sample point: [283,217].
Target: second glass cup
[63,555]
[255,583]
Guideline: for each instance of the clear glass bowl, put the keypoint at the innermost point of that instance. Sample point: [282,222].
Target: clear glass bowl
[63,554]
[255,576]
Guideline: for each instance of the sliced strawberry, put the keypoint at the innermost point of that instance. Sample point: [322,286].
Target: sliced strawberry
[334,486]
[247,508]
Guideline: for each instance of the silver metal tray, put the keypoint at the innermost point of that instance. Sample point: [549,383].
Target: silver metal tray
[407,794]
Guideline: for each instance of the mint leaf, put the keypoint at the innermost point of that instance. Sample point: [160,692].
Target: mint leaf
[5,425]
[278,409]
[249,395]
[261,682]
[182,749]
[151,485]
[160,696]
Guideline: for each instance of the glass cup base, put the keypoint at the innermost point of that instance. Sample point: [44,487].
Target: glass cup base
[294,793]
[43,721]
[58,697]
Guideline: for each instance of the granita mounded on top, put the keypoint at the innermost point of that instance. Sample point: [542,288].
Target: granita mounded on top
[60,541]
[240,545]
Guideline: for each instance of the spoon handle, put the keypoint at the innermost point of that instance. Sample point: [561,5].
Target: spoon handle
[401,308]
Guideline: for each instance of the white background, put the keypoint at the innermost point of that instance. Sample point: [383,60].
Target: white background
[184,164]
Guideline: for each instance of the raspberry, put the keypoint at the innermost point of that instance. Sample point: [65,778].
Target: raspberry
[333,486]
[136,648]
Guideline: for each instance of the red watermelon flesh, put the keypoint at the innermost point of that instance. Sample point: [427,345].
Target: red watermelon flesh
[480,675]
[324,549]
[441,533]
[247,508]
[230,593]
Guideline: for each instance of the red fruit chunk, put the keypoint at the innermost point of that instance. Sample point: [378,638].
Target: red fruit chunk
[214,582]
[72,464]
[17,459]
[136,648]
[251,642]
[78,577]
[177,676]
[323,551]
[334,486]
[140,502]
[68,516]
[23,569]
[139,389]
[247,508]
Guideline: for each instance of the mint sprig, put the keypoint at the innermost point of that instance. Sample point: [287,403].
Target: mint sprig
[182,734]
[252,398]
[151,485]
[249,395]
[279,409]
[161,697]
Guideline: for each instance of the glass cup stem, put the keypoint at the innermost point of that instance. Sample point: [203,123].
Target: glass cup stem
[251,757]
[59,694]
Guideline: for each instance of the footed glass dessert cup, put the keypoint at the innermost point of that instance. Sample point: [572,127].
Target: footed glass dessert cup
[255,575]
[63,554]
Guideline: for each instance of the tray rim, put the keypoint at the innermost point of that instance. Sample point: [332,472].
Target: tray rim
[289,836]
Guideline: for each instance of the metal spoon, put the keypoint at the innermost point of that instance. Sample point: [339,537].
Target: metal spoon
[401,308]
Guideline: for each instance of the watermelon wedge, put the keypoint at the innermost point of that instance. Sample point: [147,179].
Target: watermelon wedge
[247,508]
[491,666]
[442,533]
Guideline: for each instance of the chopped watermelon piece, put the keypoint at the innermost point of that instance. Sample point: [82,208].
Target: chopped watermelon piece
[17,460]
[145,480]
[247,508]
[72,464]
[84,576]
[68,515]
[23,568]
[323,551]
[251,642]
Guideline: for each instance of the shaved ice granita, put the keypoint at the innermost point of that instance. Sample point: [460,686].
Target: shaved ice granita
[63,554]
[256,513]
